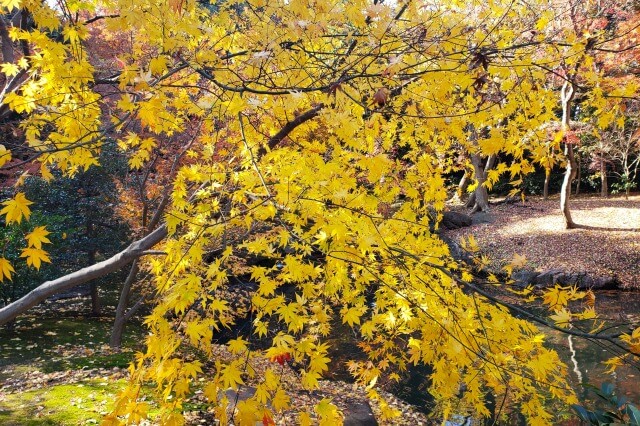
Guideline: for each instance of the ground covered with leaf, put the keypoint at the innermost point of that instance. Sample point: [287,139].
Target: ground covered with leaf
[56,369]
[606,244]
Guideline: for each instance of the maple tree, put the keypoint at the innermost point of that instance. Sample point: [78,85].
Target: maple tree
[321,135]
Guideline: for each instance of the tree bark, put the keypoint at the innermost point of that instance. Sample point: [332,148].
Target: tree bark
[7,44]
[118,325]
[122,315]
[49,288]
[95,300]
[545,189]
[481,194]
[578,175]
[91,258]
[95,296]
[570,173]
[604,184]
[461,193]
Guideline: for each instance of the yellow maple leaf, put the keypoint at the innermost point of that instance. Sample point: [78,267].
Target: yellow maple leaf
[518,261]
[38,236]
[45,173]
[9,69]
[328,412]
[35,256]
[158,66]
[5,269]
[248,413]
[5,155]
[16,208]
[352,316]
[280,400]
[173,419]
[562,318]
[232,375]
[237,346]
[304,419]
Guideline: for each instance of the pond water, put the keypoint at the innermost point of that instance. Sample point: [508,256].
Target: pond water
[584,358]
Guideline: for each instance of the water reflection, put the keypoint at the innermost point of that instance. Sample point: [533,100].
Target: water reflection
[585,357]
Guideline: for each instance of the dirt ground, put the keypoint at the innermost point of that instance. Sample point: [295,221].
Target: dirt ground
[608,245]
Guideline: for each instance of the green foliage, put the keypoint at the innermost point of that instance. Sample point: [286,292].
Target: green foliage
[13,237]
[618,410]
[79,214]
[625,184]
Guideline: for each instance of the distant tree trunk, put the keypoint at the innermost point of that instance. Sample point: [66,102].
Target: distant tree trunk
[481,194]
[578,175]
[604,185]
[570,174]
[7,43]
[491,161]
[91,258]
[545,189]
[95,297]
[463,185]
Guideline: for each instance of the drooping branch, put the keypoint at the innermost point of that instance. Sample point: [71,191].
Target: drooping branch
[49,288]
[132,252]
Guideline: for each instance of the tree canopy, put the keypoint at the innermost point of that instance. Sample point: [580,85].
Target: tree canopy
[316,136]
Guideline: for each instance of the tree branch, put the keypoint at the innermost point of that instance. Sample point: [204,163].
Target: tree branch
[290,126]
[49,288]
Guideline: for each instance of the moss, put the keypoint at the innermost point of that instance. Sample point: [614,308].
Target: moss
[66,404]
[33,338]
[120,359]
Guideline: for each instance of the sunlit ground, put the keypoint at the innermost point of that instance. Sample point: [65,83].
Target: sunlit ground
[535,229]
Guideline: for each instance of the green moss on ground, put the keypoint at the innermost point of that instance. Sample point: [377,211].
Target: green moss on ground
[82,403]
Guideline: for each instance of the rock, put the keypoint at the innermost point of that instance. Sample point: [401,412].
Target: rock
[243,393]
[604,283]
[547,278]
[524,277]
[455,220]
[359,413]
[552,277]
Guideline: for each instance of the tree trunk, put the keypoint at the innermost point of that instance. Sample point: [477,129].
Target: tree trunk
[7,44]
[604,185]
[578,175]
[95,300]
[95,297]
[570,173]
[49,288]
[462,186]
[118,325]
[122,315]
[545,189]
[481,194]
[471,201]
